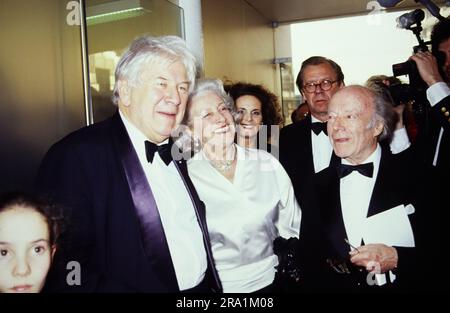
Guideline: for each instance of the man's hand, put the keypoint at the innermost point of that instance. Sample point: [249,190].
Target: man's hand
[428,67]
[371,254]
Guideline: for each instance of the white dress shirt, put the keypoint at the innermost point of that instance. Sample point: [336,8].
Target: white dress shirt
[322,148]
[176,210]
[435,94]
[356,191]
[246,215]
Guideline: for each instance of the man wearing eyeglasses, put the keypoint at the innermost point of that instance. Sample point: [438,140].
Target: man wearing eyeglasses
[305,148]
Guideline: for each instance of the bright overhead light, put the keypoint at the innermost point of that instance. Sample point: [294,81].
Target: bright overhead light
[114,11]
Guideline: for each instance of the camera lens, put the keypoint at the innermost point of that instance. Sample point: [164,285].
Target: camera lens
[404,68]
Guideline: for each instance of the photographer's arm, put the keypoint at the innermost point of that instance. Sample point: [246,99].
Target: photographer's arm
[438,93]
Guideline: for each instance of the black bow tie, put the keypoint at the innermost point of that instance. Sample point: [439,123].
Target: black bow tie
[318,127]
[364,169]
[163,150]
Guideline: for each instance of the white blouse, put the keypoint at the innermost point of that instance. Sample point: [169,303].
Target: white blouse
[246,215]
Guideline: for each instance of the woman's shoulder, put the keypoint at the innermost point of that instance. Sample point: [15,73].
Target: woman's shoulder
[196,161]
[259,156]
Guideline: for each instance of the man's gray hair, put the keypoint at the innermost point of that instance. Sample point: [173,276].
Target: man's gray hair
[144,50]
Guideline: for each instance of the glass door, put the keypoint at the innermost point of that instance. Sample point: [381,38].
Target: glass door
[289,99]
[111,26]
[41,70]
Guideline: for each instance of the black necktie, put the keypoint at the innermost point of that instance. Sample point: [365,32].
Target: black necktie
[163,150]
[318,127]
[364,169]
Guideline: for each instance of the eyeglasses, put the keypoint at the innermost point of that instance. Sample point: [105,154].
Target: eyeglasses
[325,85]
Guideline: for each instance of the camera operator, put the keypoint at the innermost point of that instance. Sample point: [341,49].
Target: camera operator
[435,147]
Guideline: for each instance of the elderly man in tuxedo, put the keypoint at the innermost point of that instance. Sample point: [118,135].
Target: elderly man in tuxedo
[305,148]
[364,235]
[138,224]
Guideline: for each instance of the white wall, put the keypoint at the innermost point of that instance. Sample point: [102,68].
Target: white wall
[193,26]
[238,43]
[362,45]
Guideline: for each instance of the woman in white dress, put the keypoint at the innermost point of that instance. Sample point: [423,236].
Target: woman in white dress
[249,197]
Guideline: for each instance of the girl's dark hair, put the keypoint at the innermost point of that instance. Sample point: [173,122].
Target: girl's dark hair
[52,214]
[270,107]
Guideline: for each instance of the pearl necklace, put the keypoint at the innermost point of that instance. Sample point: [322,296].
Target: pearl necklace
[224,166]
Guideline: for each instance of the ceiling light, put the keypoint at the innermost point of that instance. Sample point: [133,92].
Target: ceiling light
[114,11]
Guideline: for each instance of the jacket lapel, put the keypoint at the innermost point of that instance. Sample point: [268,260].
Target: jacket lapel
[307,146]
[331,211]
[153,237]
[200,212]
[381,199]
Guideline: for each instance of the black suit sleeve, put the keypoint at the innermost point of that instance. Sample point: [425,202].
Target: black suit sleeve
[285,138]
[63,177]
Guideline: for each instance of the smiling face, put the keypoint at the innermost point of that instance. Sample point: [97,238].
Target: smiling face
[211,121]
[250,109]
[319,99]
[25,251]
[157,104]
[349,116]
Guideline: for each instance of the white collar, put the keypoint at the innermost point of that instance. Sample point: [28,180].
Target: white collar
[135,134]
[315,120]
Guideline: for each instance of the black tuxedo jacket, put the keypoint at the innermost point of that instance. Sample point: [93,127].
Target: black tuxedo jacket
[438,117]
[93,173]
[296,156]
[435,182]
[394,185]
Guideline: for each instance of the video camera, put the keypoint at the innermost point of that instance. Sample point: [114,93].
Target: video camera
[415,90]
[401,93]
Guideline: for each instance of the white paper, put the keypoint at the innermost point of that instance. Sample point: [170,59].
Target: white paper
[410,209]
[390,227]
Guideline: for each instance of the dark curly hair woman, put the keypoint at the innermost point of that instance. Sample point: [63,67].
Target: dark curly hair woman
[258,111]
